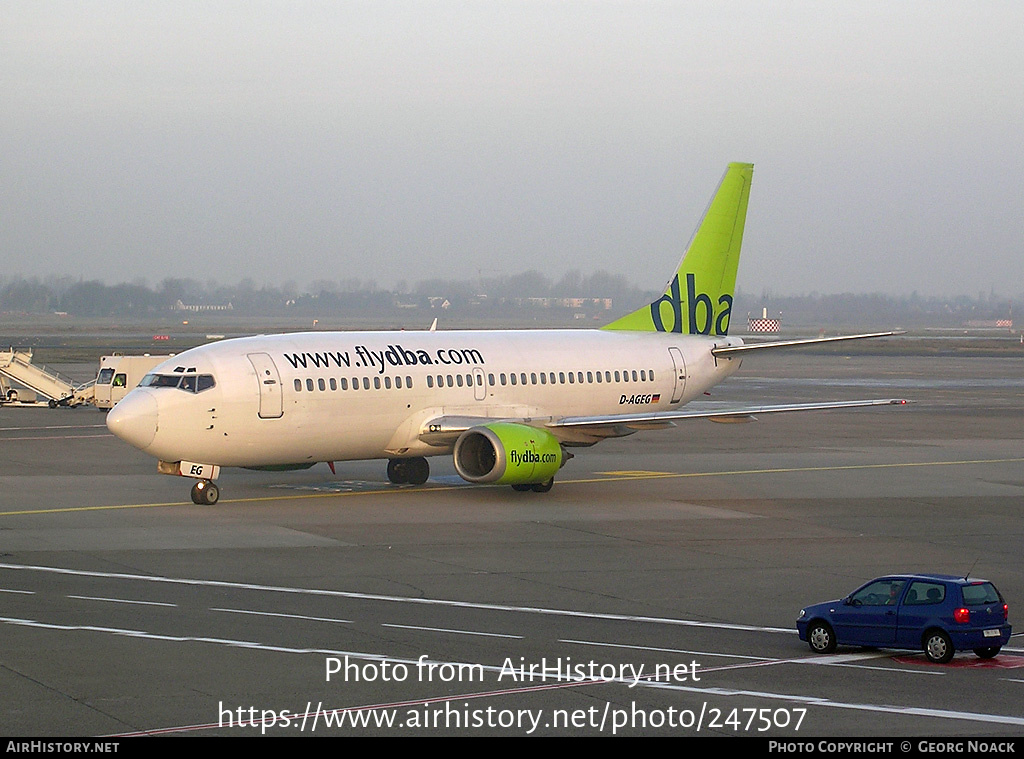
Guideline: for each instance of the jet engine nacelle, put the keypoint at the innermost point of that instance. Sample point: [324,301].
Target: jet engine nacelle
[504,453]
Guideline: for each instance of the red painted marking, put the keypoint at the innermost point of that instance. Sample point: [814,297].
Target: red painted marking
[968,660]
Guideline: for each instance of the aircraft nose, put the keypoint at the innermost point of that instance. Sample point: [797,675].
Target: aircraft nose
[134,418]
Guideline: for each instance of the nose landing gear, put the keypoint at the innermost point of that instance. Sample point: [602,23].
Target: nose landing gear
[205,493]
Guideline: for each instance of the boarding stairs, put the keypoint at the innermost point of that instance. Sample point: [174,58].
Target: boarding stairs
[16,365]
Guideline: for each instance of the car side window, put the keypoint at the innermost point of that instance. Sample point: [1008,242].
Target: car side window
[924,593]
[879,593]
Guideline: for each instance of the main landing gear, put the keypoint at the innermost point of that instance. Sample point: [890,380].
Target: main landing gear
[414,471]
[205,493]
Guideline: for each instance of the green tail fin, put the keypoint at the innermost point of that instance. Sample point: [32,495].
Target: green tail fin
[698,299]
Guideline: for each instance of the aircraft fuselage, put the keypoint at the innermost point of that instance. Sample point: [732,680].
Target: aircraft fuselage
[336,396]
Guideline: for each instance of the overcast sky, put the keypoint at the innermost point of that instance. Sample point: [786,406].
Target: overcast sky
[410,140]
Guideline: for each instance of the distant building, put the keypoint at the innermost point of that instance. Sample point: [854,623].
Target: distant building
[991,323]
[179,306]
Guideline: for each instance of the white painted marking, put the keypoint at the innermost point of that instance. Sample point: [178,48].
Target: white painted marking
[897,670]
[457,632]
[123,601]
[53,437]
[53,427]
[288,616]
[1000,719]
[25,592]
[403,599]
[841,660]
[655,648]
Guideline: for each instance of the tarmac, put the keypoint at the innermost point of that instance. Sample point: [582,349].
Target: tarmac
[653,591]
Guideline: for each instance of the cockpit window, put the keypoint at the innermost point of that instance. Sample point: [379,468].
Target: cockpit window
[160,380]
[191,383]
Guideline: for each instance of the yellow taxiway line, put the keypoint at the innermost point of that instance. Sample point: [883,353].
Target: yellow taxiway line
[619,476]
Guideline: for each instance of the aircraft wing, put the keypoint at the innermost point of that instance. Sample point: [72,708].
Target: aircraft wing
[445,430]
[747,347]
[738,414]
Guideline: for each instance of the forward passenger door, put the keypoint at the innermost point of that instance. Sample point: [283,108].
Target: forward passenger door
[271,400]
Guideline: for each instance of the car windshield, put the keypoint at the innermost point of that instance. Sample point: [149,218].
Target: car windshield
[980,594]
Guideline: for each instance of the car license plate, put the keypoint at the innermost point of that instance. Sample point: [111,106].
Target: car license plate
[991,633]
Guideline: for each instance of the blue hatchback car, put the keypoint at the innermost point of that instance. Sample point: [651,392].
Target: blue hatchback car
[938,614]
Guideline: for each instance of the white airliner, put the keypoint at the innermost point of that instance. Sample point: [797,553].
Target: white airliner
[506,404]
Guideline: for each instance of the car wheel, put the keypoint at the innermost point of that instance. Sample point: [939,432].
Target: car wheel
[987,653]
[821,638]
[938,647]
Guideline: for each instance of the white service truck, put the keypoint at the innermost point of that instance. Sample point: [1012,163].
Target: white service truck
[118,374]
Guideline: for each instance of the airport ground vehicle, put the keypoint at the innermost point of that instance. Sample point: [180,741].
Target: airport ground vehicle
[38,386]
[118,374]
[939,614]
